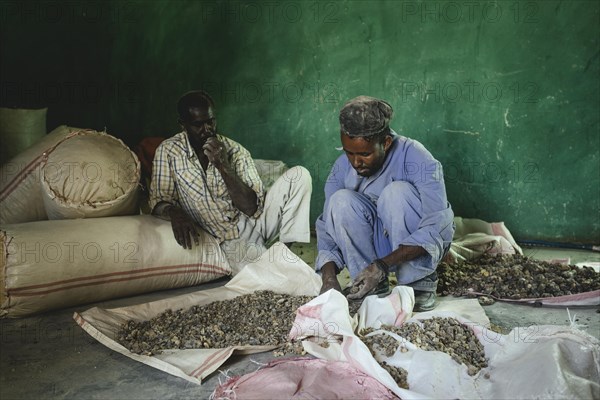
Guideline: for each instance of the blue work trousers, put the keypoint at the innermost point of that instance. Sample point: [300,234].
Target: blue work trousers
[366,229]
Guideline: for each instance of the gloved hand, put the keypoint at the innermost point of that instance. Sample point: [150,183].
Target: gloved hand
[366,282]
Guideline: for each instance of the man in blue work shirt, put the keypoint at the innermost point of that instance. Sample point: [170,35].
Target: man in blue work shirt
[385,209]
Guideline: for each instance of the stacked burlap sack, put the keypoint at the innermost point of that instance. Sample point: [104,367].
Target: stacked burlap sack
[69,233]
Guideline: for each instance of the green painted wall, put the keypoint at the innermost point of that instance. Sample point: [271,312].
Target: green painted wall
[504,93]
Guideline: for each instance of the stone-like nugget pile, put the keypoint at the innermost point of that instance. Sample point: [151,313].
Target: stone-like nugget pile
[515,277]
[442,334]
[262,318]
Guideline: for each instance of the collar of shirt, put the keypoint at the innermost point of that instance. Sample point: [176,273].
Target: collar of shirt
[191,153]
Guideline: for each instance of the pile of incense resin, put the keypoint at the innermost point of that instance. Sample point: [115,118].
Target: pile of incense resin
[353,307]
[262,318]
[442,334]
[511,276]
[400,375]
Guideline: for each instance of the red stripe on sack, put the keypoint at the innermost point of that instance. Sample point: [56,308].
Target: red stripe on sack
[80,321]
[137,271]
[28,168]
[213,359]
[20,293]
[20,177]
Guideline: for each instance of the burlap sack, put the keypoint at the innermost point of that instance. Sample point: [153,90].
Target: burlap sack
[90,174]
[19,129]
[20,189]
[46,265]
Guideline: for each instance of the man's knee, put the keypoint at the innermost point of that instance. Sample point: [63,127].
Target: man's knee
[343,198]
[298,176]
[398,193]
[346,204]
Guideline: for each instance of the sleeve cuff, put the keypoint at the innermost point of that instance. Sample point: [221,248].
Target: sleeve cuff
[433,251]
[160,208]
[329,256]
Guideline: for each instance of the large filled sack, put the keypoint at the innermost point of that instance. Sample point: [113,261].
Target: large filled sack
[90,174]
[19,129]
[46,265]
[20,188]
[94,175]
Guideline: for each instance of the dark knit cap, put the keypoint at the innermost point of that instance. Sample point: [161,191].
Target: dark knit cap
[365,116]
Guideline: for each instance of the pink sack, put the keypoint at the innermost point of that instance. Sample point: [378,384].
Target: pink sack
[304,378]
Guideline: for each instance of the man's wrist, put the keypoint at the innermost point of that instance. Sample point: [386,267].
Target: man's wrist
[167,210]
[224,168]
[382,265]
[329,269]
[162,209]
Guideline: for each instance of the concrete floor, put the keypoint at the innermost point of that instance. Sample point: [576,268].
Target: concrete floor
[50,357]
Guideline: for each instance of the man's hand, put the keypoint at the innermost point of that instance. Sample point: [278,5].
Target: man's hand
[184,228]
[366,282]
[329,278]
[243,196]
[215,151]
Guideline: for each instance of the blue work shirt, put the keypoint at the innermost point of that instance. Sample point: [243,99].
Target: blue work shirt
[406,160]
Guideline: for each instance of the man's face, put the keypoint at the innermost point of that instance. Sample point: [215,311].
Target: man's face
[365,156]
[201,124]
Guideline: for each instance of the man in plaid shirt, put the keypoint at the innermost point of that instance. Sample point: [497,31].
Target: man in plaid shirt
[204,180]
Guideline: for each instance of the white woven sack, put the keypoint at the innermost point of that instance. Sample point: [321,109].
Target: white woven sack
[90,174]
[20,189]
[46,265]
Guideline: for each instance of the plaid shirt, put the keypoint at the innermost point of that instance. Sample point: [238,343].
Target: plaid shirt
[178,178]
